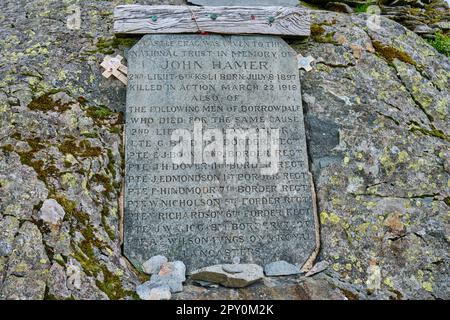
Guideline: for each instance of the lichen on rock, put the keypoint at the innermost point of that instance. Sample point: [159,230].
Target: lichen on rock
[376,110]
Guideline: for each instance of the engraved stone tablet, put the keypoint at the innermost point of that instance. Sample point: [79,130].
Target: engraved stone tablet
[216,160]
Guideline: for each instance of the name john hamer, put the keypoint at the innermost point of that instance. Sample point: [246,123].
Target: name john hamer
[215,65]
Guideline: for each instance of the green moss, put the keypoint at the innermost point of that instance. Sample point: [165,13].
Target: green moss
[115,130]
[362,7]
[318,34]
[111,284]
[441,43]
[99,114]
[70,207]
[44,103]
[81,149]
[447,201]
[105,181]
[414,127]
[16,135]
[111,162]
[109,231]
[8,147]
[89,134]
[391,53]
[107,45]
[27,158]
[317,30]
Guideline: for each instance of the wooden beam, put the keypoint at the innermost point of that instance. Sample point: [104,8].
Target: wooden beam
[140,19]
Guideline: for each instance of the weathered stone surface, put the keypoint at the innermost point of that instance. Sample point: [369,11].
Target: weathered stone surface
[248,274]
[392,144]
[171,274]
[27,266]
[382,182]
[8,229]
[279,288]
[280,268]
[152,291]
[52,212]
[286,3]
[153,265]
[210,208]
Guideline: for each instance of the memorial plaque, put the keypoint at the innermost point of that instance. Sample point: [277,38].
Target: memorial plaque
[216,161]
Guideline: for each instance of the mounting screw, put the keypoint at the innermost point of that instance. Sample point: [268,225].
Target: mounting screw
[271,19]
[154,18]
[213,16]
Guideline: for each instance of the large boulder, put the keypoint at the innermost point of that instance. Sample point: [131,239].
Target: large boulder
[376,109]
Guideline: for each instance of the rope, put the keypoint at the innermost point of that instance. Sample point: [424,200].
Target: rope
[193,17]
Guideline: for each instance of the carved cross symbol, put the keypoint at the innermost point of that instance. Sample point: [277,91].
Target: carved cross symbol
[305,62]
[113,66]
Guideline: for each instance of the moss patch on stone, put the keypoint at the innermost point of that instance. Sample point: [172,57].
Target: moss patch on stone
[81,149]
[391,53]
[45,103]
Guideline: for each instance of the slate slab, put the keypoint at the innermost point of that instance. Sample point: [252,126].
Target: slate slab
[250,201]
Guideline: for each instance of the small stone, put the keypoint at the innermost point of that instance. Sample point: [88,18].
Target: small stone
[153,265]
[153,291]
[318,267]
[280,268]
[52,212]
[8,229]
[172,274]
[216,274]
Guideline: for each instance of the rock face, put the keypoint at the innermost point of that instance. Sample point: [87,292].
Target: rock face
[230,275]
[376,109]
[52,212]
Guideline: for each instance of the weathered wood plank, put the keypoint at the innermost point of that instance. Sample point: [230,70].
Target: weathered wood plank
[286,3]
[140,19]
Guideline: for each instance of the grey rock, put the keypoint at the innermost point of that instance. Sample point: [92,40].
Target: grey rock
[443,25]
[153,291]
[280,268]
[52,212]
[8,229]
[23,288]
[57,282]
[389,105]
[153,265]
[423,28]
[20,190]
[26,273]
[171,274]
[251,273]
